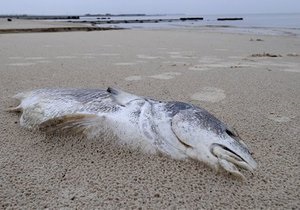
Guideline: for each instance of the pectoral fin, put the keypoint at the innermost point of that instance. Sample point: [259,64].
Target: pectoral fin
[73,123]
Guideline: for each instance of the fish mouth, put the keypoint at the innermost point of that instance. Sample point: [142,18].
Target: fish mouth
[230,160]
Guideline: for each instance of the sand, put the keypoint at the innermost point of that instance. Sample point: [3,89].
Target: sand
[259,96]
[42,26]
[24,24]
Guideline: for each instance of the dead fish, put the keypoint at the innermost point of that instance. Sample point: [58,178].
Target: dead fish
[177,129]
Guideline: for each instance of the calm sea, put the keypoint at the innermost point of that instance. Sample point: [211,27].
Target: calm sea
[288,24]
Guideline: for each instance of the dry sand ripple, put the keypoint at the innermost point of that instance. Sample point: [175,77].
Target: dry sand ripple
[209,94]
[165,76]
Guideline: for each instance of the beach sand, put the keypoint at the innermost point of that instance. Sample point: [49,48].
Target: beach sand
[259,96]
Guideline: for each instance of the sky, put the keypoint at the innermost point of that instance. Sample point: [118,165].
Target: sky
[189,7]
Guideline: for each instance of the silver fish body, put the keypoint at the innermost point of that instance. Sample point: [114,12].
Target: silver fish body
[177,129]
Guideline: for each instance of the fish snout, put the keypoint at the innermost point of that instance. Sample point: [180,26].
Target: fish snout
[232,156]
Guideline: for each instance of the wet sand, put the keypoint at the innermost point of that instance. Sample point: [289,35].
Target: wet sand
[24,24]
[42,26]
[259,96]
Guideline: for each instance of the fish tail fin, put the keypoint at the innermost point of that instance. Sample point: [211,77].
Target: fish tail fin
[14,109]
[21,96]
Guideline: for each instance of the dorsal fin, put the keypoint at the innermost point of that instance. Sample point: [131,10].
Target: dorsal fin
[122,97]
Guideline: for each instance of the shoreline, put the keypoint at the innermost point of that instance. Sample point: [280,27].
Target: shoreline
[54,29]
[34,26]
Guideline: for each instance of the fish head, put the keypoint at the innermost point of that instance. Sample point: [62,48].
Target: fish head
[205,138]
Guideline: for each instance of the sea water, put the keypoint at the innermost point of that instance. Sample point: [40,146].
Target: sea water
[288,24]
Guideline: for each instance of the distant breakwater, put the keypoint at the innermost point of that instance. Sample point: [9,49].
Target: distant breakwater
[228,19]
[109,21]
[42,17]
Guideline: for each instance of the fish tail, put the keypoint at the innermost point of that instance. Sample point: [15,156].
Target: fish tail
[22,95]
[14,109]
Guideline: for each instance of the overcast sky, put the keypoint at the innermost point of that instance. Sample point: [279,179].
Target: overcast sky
[192,7]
